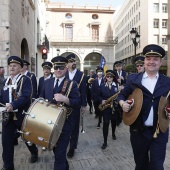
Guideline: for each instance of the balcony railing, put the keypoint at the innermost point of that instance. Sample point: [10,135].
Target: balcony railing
[42,40]
[104,39]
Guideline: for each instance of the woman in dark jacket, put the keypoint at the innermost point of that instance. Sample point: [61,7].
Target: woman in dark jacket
[110,113]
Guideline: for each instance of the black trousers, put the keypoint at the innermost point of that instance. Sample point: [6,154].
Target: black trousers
[106,128]
[149,153]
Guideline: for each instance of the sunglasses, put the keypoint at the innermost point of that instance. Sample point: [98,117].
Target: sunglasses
[139,65]
[109,76]
[59,67]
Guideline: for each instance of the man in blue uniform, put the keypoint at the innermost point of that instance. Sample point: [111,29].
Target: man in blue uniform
[120,73]
[95,94]
[32,76]
[139,63]
[52,90]
[149,150]
[16,95]
[74,74]
[47,66]
[89,81]
[121,77]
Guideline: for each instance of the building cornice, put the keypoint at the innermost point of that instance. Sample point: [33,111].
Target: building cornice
[168,36]
[78,44]
[73,8]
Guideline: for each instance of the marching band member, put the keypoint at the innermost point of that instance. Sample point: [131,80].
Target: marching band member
[74,74]
[95,93]
[52,90]
[120,73]
[139,63]
[149,151]
[89,82]
[109,114]
[121,77]
[24,71]
[47,66]
[16,95]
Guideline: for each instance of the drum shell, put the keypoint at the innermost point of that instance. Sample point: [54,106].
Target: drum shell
[37,123]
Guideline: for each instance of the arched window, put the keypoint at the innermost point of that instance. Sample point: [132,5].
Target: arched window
[95,16]
[68,15]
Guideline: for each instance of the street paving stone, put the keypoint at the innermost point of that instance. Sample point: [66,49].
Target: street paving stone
[89,155]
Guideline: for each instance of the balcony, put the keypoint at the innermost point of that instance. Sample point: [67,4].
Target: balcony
[42,41]
[84,39]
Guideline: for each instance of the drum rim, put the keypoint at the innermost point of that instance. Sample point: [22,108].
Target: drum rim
[50,144]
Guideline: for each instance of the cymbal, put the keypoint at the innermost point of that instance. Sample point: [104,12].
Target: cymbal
[162,118]
[131,116]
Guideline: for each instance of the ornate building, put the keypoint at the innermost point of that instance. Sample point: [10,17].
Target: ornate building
[83,30]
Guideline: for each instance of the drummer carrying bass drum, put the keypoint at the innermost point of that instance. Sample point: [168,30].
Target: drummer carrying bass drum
[51,90]
[147,140]
[16,95]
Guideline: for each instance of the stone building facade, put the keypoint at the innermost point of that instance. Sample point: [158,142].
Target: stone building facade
[20,23]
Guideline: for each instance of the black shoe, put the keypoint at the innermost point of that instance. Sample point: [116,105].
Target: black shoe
[34,158]
[10,168]
[98,126]
[104,146]
[96,117]
[117,124]
[70,153]
[114,137]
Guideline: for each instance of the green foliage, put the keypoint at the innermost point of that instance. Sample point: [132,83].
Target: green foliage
[163,68]
[130,68]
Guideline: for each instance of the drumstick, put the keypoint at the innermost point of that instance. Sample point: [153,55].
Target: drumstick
[168,95]
[2,104]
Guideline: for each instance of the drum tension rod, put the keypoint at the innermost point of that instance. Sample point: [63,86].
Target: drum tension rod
[48,103]
[26,133]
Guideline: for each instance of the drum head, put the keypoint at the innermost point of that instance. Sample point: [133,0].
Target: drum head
[162,118]
[131,116]
[43,123]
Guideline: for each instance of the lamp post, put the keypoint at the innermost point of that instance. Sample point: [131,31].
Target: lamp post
[135,38]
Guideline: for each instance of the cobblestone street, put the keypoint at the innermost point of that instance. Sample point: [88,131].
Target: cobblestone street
[89,156]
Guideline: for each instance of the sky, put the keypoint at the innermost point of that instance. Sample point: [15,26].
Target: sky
[104,3]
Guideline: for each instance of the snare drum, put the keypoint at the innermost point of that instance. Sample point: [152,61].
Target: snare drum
[43,123]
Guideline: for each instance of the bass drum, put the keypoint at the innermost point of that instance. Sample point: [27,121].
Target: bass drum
[43,123]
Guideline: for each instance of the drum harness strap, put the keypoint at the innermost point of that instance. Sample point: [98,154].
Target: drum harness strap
[69,109]
[12,89]
[81,80]
[31,85]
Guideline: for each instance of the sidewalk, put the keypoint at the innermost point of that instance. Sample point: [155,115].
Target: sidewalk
[89,155]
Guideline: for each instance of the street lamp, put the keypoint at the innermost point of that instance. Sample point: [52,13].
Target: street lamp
[58,51]
[135,38]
